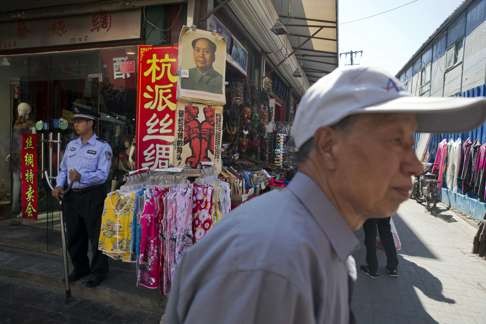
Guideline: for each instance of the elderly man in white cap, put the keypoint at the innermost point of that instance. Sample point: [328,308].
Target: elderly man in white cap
[285,257]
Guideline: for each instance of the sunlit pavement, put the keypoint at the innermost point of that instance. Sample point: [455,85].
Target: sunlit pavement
[440,281]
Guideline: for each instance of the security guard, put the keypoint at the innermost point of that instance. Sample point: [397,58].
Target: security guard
[86,163]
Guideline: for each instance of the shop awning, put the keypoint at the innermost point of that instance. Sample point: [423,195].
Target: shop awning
[298,36]
[311,27]
[258,18]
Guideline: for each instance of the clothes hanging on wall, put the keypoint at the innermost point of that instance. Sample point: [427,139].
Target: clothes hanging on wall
[439,166]
[466,170]
[453,163]
[465,167]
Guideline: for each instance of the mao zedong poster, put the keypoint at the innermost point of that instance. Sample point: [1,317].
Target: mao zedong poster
[202,66]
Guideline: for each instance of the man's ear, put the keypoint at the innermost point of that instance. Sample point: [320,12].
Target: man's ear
[325,140]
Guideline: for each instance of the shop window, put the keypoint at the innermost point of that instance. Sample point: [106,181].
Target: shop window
[455,53]
[118,99]
[425,76]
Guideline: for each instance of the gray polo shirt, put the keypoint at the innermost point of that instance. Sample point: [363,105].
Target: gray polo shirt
[281,258]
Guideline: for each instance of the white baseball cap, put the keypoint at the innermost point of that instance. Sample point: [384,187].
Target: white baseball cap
[359,90]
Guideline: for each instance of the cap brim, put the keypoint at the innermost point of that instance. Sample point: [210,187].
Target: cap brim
[437,114]
[82,116]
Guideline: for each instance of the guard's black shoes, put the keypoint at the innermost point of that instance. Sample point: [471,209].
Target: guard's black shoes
[75,276]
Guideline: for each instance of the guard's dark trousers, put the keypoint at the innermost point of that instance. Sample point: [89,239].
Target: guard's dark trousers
[386,238]
[82,212]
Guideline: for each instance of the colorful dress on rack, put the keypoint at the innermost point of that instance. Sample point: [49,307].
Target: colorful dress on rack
[136,230]
[202,210]
[116,226]
[176,230]
[148,266]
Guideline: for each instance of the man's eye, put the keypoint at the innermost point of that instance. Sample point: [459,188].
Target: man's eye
[398,141]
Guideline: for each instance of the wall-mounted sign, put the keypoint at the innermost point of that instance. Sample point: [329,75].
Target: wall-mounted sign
[29,169]
[156,106]
[237,53]
[199,135]
[97,27]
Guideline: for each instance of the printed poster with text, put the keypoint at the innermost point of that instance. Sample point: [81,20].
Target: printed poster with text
[156,106]
[199,134]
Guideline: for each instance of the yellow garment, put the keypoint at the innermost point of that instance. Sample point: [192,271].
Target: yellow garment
[116,226]
[217,211]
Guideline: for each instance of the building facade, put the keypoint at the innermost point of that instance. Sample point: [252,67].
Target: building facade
[452,62]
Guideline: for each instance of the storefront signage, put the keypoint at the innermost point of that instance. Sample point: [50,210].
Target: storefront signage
[29,169]
[199,135]
[237,53]
[156,106]
[97,27]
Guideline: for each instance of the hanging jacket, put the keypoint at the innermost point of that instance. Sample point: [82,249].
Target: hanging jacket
[440,162]
[466,164]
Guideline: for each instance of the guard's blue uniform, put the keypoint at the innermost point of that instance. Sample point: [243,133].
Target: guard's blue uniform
[92,160]
[83,206]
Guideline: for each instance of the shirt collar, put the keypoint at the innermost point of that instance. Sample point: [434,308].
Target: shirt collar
[208,72]
[342,238]
[91,141]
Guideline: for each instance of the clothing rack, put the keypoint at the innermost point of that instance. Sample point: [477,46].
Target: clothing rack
[165,176]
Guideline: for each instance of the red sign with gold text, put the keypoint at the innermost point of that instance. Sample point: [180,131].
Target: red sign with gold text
[156,106]
[29,169]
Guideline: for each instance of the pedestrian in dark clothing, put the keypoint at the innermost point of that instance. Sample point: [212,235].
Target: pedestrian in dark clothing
[386,237]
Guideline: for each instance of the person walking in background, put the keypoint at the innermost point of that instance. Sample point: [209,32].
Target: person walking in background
[386,237]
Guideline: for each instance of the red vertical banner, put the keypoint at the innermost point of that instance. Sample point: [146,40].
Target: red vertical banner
[156,106]
[29,169]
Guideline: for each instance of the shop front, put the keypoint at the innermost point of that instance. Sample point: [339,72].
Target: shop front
[49,66]
[195,117]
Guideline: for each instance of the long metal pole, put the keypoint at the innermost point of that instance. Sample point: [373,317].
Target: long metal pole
[63,242]
[50,155]
[58,159]
[42,154]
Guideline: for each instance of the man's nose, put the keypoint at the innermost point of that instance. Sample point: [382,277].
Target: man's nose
[413,166]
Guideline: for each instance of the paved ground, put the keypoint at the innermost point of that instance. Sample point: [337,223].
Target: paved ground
[440,281]
[29,304]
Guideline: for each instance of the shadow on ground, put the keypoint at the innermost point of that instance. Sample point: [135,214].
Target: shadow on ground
[391,300]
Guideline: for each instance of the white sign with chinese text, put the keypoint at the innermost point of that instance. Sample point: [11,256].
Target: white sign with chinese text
[93,28]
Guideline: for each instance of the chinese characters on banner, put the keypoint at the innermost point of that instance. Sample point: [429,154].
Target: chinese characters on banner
[199,134]
[156,106]
[29,169]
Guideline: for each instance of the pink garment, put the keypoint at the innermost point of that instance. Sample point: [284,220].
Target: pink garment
[168,240]
[176,231]
[201,209]
[482,157]
[440,162]
[148,266]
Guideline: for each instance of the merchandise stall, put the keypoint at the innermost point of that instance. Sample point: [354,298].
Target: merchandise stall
[203,147]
